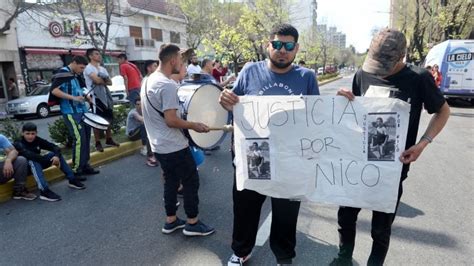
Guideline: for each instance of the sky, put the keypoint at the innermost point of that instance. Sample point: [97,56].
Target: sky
[355,18]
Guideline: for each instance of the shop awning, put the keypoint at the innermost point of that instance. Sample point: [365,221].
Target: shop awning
[83,52]
[46,51]
[31,50]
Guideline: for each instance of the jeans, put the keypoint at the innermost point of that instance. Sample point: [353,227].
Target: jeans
[381,231]
[247,208]
[20,168]
[133,95]
[38,174]
[140,133]
[81,134]
[180,166]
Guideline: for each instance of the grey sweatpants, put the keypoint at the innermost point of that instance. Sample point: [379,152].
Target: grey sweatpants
[20,168]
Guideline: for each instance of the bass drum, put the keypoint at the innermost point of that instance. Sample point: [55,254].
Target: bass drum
[200,103]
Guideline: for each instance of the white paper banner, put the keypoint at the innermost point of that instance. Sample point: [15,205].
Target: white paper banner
[321,148]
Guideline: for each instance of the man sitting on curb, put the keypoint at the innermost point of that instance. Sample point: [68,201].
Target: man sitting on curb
[30,147]
[14,166]
[136,130]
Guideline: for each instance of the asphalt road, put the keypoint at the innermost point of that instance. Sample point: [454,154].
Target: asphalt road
[118,218]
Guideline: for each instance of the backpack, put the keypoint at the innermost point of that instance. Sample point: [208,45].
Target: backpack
[60,77]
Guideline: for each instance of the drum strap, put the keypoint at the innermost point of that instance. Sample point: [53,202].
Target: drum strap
[156,109]
[148,99]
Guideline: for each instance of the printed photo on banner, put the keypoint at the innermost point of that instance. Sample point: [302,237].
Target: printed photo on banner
[258,158]
[382,133]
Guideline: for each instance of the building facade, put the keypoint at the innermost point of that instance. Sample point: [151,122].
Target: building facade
[9,57]
[46,39]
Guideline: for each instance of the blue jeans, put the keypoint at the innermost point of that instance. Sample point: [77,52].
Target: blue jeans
[38,174]
[140,133]
[133,94]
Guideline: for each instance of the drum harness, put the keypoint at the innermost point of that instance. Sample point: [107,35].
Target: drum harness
[162,114]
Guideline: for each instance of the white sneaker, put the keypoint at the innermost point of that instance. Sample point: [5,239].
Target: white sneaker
[234,260]
[143,151]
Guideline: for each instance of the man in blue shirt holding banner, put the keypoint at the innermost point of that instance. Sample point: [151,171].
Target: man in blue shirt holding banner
[275,76]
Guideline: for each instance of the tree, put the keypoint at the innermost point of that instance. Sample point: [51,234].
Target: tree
[100,6]
[427,22]
[230,42]
[258,18]
[199,16]
[12,9]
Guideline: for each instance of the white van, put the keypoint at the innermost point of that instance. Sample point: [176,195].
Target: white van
[455,61]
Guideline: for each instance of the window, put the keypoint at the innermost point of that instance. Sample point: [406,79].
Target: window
[157,34]
[136,32]
[174,37]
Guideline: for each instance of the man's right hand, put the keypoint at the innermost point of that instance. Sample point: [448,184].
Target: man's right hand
[200,127]
[78,99]
[228,99]
[346,93]
[8,169]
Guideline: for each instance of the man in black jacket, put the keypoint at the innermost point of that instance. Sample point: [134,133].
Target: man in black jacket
[30,147]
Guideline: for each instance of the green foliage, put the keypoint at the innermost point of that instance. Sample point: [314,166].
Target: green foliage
[59,132]
[11,129]
[120,117]
[426,23]
[237,36]
[199,18]
[327,76]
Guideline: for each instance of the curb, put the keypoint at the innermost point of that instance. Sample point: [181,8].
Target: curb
[329,80]
[53,174]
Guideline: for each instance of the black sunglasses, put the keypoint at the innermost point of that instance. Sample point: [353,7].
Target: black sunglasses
[289,46]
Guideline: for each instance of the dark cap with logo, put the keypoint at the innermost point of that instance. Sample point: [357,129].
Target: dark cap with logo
[386,49]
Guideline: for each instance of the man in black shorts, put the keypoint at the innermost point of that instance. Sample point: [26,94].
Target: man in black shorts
[97,79]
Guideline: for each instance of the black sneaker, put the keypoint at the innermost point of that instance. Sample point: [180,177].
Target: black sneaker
[81,178]
[76,184]
[98,146]
[49,195]
[111,142]
[340,261]
[197,229]
[171,227]
[284,262]
[90,171]
[23,194]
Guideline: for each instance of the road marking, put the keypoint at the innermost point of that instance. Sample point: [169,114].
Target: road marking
[264,231]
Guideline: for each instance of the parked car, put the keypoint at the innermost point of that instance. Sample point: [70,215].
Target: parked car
[117,89]
[35,103]
[320,71]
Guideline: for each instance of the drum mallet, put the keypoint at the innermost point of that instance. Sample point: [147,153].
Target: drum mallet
[227,128]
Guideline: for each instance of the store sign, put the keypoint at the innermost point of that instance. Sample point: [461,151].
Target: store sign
[74,29]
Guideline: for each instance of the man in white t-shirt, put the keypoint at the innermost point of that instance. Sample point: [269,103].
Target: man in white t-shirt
[164,129]
[97,79]
[194,67]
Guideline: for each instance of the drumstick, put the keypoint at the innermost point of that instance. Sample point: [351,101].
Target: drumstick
[227,128]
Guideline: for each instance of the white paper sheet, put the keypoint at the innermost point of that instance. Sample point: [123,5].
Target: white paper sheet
[321,148]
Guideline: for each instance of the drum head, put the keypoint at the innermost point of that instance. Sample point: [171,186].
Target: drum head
[204,107]
[95,121]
